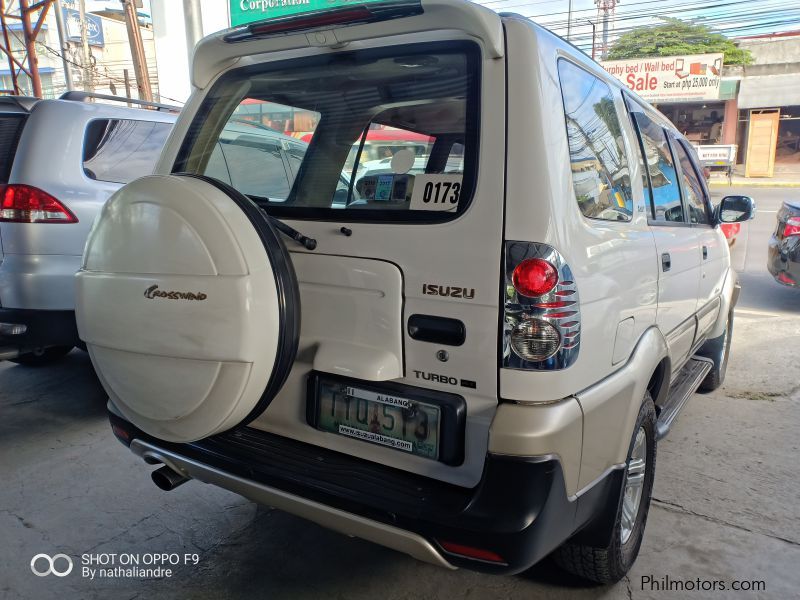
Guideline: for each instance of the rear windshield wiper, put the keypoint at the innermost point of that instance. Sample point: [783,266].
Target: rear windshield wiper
[289,231]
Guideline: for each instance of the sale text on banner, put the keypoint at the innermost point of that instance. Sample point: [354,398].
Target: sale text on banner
[690,78]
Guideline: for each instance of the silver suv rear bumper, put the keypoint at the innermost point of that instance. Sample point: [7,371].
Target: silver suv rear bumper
[332,518]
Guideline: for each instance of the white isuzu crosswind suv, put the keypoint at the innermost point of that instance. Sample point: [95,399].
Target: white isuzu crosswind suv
[470,365]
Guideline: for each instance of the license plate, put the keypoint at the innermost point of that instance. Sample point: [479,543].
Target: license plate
[393,421]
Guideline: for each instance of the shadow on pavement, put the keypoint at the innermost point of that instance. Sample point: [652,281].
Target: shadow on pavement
[49,397]
[762,293]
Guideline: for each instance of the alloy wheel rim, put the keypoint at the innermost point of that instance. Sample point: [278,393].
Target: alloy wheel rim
[634,485]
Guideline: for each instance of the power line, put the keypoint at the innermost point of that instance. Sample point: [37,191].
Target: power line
[98,72]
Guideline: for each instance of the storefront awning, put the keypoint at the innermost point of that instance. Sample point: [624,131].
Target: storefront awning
[770,91]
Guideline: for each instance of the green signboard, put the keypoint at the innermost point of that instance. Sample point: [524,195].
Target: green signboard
[248,11]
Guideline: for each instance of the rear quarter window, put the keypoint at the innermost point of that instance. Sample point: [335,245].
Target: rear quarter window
[598,162]
[121,150]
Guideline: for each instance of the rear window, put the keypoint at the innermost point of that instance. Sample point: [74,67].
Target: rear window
[10,130]
[383,134]
[121,150]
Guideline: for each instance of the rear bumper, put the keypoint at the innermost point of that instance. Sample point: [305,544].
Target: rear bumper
[783,260]
[519,511]
[43,328]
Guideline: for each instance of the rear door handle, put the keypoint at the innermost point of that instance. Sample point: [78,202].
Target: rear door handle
[705,252]
[666,262]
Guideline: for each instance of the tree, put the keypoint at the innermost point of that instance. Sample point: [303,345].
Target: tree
[673,38]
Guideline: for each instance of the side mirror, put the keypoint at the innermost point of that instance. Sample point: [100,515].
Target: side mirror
[735,209]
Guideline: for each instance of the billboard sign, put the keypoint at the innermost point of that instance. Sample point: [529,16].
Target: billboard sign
[94,27]
[691,78]
[248,11]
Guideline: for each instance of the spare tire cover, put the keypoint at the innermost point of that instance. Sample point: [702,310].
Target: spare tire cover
[188,304]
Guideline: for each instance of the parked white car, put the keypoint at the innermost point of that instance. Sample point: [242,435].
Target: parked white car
[60,160]
[470,367]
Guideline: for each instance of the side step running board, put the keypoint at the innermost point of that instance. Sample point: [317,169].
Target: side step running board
[683,386]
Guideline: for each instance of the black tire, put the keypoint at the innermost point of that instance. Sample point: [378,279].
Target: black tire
[42,357]
[718,350]
[611,563]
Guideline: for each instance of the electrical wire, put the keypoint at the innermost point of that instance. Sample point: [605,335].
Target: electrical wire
[94,69]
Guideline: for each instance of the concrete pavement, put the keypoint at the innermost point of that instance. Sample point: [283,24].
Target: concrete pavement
[726,492]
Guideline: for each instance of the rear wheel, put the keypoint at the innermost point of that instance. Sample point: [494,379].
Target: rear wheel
[611,563]
[42,356]
[718,350]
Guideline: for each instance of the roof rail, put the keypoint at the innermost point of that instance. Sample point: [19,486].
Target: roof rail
[78,96]
[24,103]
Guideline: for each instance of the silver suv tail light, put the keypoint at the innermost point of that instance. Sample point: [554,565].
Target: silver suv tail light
[541,320]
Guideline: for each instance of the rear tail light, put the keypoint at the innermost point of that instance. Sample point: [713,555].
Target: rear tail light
[792,227]
[535,339]
[541,321]
[534,277]
[28,204]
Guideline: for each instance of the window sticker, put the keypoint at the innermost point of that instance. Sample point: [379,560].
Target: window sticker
[383,190]
[436,192]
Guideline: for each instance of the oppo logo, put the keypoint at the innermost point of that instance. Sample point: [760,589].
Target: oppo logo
[153,292]
[450,291]
[50,561]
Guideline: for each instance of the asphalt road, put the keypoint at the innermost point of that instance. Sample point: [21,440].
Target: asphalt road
[726,499]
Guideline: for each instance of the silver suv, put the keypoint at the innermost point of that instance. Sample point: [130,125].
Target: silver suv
[60,160]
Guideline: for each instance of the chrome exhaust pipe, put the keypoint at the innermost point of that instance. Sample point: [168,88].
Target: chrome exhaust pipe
[168,479]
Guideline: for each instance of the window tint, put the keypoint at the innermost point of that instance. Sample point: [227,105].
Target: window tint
[121,150]
[404,97]
[256,167]
[600,173]
[664,192]
[10,130]
[692,188]
[217,168]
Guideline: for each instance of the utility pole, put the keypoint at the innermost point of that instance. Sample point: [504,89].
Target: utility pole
[86,53]
[594,34]
[569,20]
[63,44]
[137,51]
[606,10]
[193,19]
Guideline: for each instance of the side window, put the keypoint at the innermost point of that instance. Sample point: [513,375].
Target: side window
[256,167]
[121,150]
[295,154]
[216,167]
[692,188]
[599,165]
[665,194]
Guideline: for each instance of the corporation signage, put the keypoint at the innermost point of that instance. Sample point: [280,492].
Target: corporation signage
[690,78]
[94,27]
[248,11]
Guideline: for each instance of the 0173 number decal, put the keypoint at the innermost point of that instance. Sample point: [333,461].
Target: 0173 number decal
[436,192]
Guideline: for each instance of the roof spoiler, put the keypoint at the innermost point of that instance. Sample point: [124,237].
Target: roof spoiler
[21,103]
